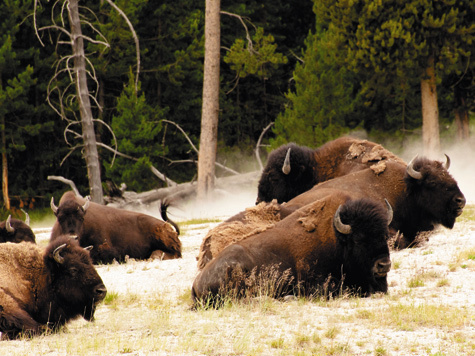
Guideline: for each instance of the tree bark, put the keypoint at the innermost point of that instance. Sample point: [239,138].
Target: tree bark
[6,197]
[461,115]
[430,111]
[89,138]
[210,108]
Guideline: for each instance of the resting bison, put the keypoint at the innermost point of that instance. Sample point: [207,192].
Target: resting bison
[14,230]
[333,243]
[423,195]
[292,169]
[114,233]
[253,220]
[46,288]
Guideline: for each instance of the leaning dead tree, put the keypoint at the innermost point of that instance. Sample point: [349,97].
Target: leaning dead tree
[80,71]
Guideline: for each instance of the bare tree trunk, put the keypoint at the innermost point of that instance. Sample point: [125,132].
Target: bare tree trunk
[430,111]
[210,109]
[89,138]
[6,197]
[461,115]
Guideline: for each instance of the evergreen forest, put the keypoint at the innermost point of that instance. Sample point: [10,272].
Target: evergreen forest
[317,69]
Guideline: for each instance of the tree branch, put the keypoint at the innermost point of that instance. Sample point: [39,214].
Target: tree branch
[259,144]
[66,181]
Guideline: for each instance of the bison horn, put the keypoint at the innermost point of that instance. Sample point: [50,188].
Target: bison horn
[286,165]
[27,218]
[8,225]
[339,226]
[57,254]
[88,248]
[390,211]
[53,207]
[86,204]
[411,171]
[447,162]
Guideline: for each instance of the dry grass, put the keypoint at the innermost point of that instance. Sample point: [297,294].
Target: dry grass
[429,310]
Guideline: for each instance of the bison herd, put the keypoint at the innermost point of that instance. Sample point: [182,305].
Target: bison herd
[324,223]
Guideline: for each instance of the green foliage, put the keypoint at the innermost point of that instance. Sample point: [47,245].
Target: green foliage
[136,127]
[254,58]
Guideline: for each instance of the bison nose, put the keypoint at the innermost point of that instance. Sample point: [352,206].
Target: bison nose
[100,291]
[382,266]
[460,201]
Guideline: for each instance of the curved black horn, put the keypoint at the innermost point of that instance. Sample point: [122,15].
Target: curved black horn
[27,217]
[447,162]
[8,225]
[342,228]
[390,211]
[286,165]
[411,171]
[53,207]
[57,254]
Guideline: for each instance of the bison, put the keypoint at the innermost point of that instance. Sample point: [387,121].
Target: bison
[253,220]
[332,244]
[292,169]
[43,289]
[114,233]
[14,230]
[423,195]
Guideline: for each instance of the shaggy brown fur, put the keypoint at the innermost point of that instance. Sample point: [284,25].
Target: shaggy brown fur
[255,219]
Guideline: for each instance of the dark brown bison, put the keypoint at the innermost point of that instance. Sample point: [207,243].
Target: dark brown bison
[114,233]
[423,195]
[292,169]
[45,288]
[334,243]
[14,230]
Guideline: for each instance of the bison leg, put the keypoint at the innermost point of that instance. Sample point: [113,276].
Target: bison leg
[13,325]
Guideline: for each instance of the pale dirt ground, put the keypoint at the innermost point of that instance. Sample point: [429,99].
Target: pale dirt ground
[173,278]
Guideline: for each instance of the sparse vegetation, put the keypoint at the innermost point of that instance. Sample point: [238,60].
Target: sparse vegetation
[422,320]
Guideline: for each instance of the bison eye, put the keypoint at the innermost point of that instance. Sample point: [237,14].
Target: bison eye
[73,271]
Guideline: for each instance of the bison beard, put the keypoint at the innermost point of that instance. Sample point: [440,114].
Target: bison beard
[44,289]
[305,254]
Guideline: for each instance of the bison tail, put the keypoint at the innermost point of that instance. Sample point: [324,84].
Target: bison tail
[164,204]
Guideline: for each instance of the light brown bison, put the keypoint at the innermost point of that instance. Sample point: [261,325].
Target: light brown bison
[292,169]
[45,288]
[114,233]
[14,230]
[252,221]
[334,243]
[423,195]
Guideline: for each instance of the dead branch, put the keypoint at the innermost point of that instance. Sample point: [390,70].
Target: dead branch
[259,145]
[66,181]
[136,39]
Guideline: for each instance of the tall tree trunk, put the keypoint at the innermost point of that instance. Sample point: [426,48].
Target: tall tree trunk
[430,111]
[210,109]
[6,197]
[461,115]
[89,138]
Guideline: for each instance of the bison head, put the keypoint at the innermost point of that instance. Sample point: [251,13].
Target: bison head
[434,191]
[289,172]
[76,287]
[14,230]
[361,227]
[70,215]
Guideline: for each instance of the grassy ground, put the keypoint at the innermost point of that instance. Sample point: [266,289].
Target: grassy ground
[429,310]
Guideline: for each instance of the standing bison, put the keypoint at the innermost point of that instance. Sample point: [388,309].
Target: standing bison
[292,169]
[45,288]
[14,230]
[423,195]
[114,233]
[332,244]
